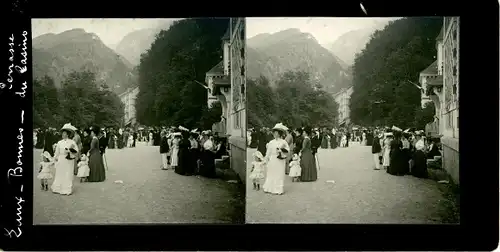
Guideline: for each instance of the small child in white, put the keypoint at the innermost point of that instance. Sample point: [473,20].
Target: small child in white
[83,168]
[44,173]
[295,169]
[257,172]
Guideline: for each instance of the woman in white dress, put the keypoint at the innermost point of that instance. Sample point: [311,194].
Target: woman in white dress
[63,179]
[386,157]
[174,159]
[363,142]
[150,136]
[277,150]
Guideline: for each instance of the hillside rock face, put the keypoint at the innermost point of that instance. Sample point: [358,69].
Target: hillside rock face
[56,55]
[352,42]
[271,55]
[138,42]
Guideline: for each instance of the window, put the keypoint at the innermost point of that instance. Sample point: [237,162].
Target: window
[237,120]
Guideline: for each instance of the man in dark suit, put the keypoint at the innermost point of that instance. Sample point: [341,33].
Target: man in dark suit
[103,142]
[376,149]
[315,141]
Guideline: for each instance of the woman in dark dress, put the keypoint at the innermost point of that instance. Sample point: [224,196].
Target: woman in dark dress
[262,142]
[220,149]
[307,159]
[49,140]
[298,141]
[185,166]
[419,168]
[207,168]
[324,140]
[397,162]
[96,164]
[254,139]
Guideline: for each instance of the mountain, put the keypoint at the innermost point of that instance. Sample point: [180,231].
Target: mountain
[271,55]
[138,41]
[352,42]
[56,55]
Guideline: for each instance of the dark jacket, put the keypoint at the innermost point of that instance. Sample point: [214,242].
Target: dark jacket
[298,144]
[315,143]
[103,144]
[376,148]
[164,148]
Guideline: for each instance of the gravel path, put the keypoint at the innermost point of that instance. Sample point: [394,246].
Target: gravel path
[359,194]
[147,195]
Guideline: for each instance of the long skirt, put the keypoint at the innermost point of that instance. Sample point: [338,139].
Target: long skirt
[174,159]
[63,179]
[275,176]
[386,158]
[164,161]
[308,165]
[96,165]
[207,168]
[376,161]
[397,163]
[184,166]
[419,169]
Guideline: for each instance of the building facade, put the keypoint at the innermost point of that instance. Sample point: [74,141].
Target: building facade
[227,84]
[443,90]
[343,99]
[128,99]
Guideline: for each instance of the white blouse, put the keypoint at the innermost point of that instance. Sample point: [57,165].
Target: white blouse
[208,145]
[62,145]
[420,145]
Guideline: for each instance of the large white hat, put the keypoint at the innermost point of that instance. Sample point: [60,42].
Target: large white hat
[387,134]
[177,134]
[280,126]
[69,127]
[183,128]
[258,155]
[194,131]
[47,155]
[396,128]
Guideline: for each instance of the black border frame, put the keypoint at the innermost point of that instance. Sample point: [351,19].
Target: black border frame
[479,195]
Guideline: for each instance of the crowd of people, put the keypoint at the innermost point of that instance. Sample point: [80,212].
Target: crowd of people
[72,152]
[191,152]
[64,150]
[282,151]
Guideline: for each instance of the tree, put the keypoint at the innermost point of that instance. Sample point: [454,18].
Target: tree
[168,71]
[425,115]
[296,102]
[382,72]
[80,101]
[211,115]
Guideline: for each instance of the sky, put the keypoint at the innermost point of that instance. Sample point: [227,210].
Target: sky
[325,30]
[110,30]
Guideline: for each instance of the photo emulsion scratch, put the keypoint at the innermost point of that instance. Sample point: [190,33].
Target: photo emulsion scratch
[129,133]
[353,120]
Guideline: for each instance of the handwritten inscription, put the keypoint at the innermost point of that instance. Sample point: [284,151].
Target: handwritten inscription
[18,172]
[19,68]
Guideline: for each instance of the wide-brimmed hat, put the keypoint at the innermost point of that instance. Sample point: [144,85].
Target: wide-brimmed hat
[394,128]
[47,155]
[388,134]
[280,126]
[183,128]
[194,131]
[258,155]
[177,134]
[68,127]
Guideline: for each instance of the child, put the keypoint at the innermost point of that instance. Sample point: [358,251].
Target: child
[44,173]
[257,172]
[83,168]
[295,169]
